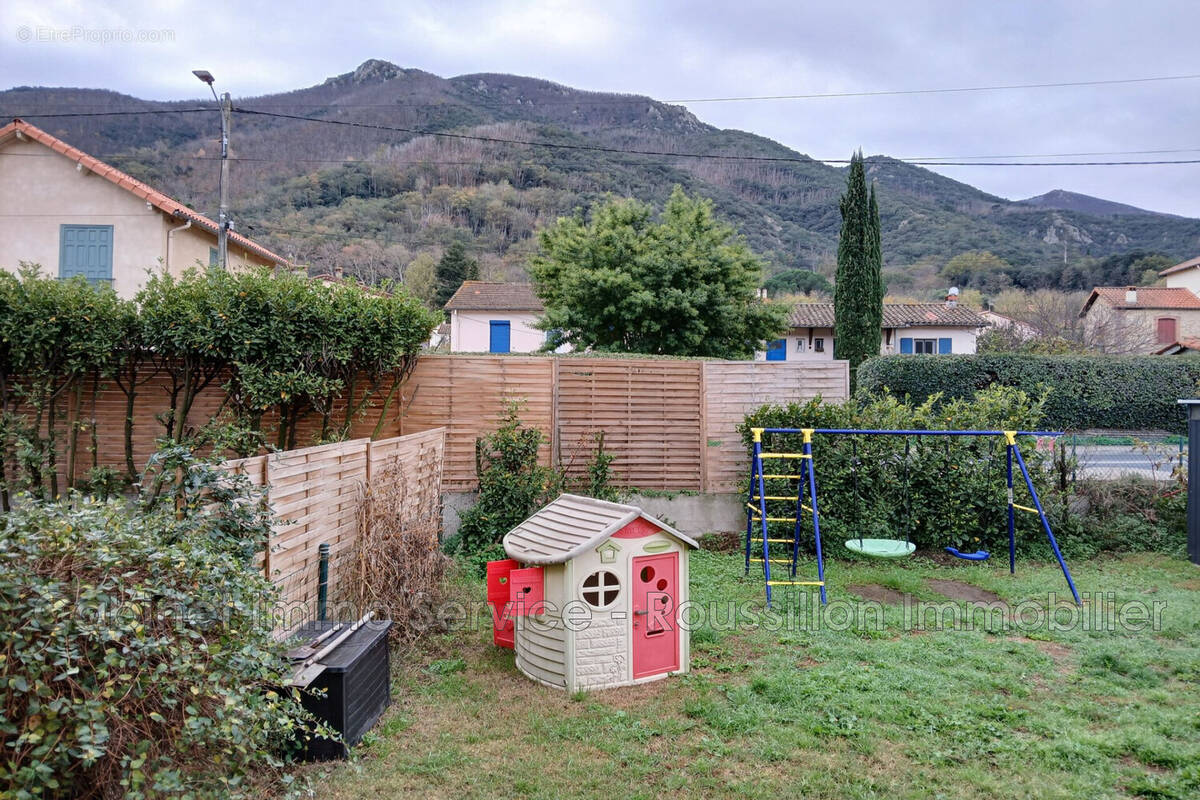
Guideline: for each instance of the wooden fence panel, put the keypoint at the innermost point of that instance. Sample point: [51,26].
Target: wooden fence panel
[733,389]
[466,395]
[649,411]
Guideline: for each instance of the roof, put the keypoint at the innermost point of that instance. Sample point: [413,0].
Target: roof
[1181,346]
[1182,266]
[131,185]
[485,296]
[1147,297]
[895,315]
[572,525]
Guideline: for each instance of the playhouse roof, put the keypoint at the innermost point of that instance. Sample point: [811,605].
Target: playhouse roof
[572,525]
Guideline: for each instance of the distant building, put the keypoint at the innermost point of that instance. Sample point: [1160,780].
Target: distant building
[1021,330]
[1140,319]
[75,215]
[908,328]
[495,318]
[1184,275]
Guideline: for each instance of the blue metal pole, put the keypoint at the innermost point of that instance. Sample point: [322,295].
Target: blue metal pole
[816,517]
[762,514]
[1046,524]
[1012,526]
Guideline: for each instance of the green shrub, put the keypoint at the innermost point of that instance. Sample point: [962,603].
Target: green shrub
[1119,392]
[952,491]
[136,658]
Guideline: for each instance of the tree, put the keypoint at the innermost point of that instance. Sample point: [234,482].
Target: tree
[978,268]
[685,285]
[421,278]
[858,292]
[454,268]
[797,281]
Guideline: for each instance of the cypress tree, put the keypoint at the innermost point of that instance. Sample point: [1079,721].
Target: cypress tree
[876,263]
[857,295]
[454,267]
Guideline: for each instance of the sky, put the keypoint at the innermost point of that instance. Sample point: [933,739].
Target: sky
[702,49]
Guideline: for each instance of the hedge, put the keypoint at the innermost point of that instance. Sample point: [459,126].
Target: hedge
[1113,392]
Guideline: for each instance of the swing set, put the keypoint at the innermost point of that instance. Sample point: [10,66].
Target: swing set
[798,471]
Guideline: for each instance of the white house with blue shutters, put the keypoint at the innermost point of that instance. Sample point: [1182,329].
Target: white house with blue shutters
[908,328]
[487,317]
[75,215]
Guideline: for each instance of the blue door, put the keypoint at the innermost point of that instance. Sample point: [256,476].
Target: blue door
[943,345]
[777,350]
[86,250]
[499,339]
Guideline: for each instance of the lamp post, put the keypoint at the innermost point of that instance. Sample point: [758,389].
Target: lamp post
[223,216]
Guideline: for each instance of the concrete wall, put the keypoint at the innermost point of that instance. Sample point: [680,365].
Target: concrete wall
[470,331]
[690,513]
[41,190]
[1188,279]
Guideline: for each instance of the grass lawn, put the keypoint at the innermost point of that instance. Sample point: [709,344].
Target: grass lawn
[860,711]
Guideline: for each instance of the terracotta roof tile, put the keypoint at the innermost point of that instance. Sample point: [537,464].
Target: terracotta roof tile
[132,185]
[895,315]
[1192,263]
[1147,297]
[485,296]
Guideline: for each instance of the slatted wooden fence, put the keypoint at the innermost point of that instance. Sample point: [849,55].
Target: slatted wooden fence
[317,495]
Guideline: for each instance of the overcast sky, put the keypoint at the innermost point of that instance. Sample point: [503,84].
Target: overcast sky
[698,49]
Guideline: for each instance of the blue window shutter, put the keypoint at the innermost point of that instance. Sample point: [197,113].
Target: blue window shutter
[906,345]
[499,336]
[777,350]
[944,345]
[86,250]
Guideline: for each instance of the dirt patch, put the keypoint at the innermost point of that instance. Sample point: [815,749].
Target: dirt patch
[957,590]
[879,594]
[1192,584]
[1060,654]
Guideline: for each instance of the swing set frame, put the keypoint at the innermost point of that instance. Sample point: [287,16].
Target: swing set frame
[806,489]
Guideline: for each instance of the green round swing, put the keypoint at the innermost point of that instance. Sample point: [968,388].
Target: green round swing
[881,548]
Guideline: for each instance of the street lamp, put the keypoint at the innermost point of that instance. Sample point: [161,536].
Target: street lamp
[223,217]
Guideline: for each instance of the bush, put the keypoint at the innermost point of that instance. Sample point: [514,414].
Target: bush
[137,657]
[953,492]
[1118,392]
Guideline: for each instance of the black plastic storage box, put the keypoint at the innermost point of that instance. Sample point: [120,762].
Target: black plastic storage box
[355,686]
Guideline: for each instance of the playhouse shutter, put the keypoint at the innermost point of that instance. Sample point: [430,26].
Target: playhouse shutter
[944,345]
[906,345]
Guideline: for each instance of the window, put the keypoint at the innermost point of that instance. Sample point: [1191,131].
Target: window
[86,250]
[777,350]
[499,340]
[925,346]
[600,589]
[818,345]
[1167,330]
[212,256]
[800,345]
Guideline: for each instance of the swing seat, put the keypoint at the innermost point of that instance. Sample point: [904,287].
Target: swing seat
[881,548]
[978,555]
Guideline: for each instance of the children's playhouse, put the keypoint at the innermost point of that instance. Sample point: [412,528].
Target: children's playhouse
[590,595]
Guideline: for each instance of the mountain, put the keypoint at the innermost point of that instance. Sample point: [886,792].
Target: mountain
[1063,200]
[425,160]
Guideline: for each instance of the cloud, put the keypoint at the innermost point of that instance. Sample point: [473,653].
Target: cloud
[686,50]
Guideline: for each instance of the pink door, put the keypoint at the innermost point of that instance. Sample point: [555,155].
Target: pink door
[655,628]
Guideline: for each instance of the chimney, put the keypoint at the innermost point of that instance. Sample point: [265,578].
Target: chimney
[1131,296]
[762,293]
[339,272]
[952,297]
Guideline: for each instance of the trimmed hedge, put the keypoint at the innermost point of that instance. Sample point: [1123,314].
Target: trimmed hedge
[1116,392]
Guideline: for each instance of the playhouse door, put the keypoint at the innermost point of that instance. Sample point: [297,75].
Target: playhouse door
[655,628]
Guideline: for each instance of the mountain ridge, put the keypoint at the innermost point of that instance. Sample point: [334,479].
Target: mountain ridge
[462,156]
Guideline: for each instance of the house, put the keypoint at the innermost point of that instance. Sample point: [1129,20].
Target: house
[600,600]
[75,215]
[1184,275]
[1021,330]
[494,318]
[908,328]
[1140,319]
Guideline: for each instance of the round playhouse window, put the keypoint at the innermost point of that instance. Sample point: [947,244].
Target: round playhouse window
[600,589]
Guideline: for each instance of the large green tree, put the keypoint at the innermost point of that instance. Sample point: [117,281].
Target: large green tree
[683,285]
[797,281]
[454,267]
[858,290]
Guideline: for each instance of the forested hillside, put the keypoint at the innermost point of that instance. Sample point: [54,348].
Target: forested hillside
[375,200]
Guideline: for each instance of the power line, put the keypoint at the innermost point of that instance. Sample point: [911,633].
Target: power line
[118,113]
[952,90]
